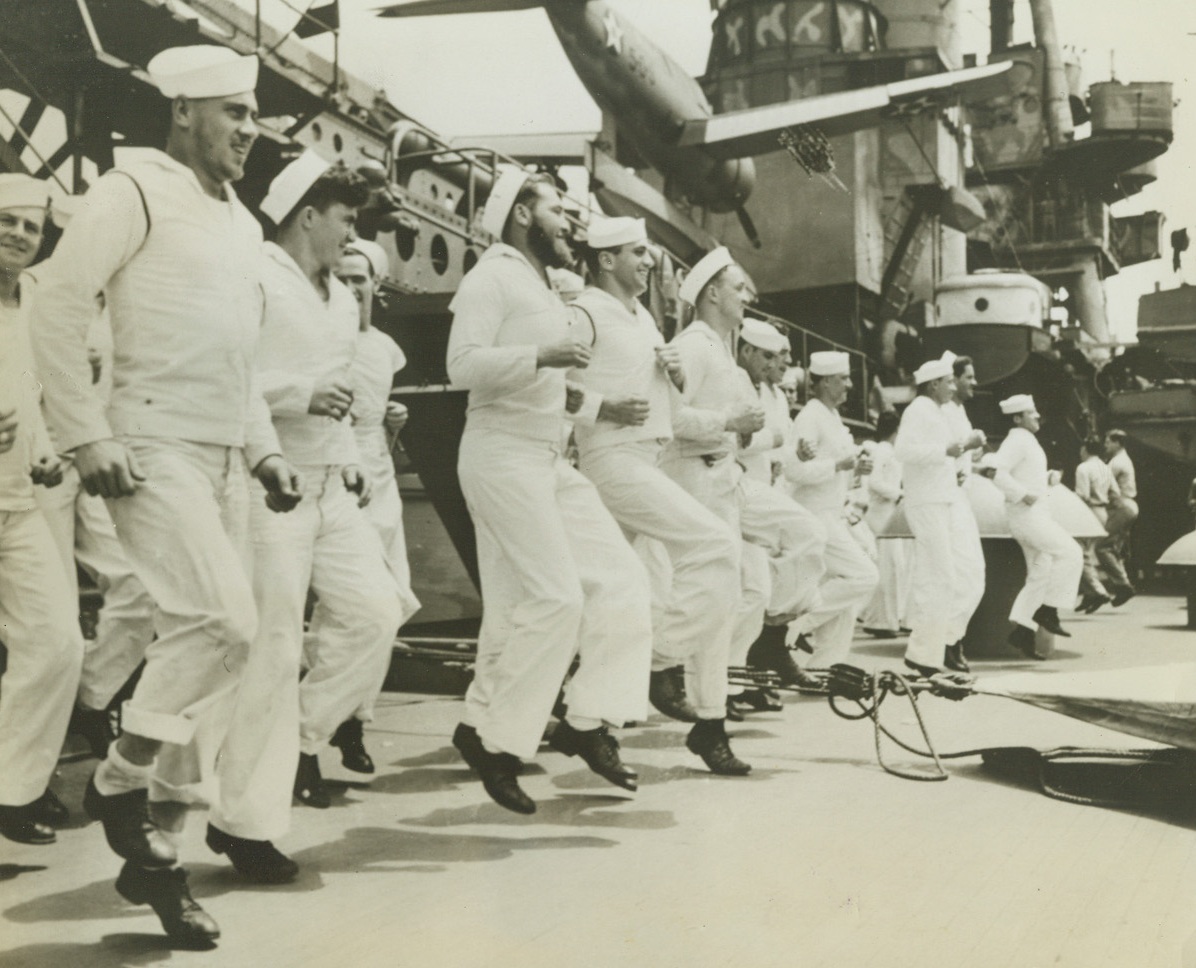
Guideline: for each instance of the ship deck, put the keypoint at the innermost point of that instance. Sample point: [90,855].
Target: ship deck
[818,858]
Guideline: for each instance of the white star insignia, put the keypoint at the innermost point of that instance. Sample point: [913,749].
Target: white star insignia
[614,33]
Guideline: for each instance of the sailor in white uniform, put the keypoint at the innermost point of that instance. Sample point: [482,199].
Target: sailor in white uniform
[178,260]
[558,576]
[884,615]
[376,419]
[820,484]
[625,421]
[38,613]
[948,570]
[1054,561]
[781,561]
[308,343]
[760,349]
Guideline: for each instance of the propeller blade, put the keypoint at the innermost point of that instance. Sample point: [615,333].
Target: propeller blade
[749,227]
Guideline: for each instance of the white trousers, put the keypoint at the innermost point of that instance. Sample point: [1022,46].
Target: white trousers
[947,579]
[889,605]
[697,604]
[1090,580]
[40,630]
[849,582]
[180,536]
[1111,549]
[1054,562]
[326,543]
[84,533]
[385,513]
[781,562]
[558,579]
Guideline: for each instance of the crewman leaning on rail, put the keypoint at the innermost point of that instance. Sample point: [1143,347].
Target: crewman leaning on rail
[558,576]
[38,613]
[1054,561]
[947,581]
[631,392]
[177,257]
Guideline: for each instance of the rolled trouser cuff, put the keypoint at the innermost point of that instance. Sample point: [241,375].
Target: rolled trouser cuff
[164,727]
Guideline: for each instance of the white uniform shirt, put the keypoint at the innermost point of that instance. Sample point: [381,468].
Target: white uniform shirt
[961,428]
[377,361]
[622,363]
[884,486]
[1021,466]
[1123,473]
[927,471]
[714,389]
[19,389]
[760,456]
[1094,482]
[306,341]
[186,307]
[817,485]
[502,314]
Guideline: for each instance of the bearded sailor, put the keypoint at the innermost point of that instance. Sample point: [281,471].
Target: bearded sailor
[558,577]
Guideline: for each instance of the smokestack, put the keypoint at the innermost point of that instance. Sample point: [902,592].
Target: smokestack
[1057,109]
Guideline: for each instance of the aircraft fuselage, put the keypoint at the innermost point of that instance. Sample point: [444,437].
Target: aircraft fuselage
[650,95]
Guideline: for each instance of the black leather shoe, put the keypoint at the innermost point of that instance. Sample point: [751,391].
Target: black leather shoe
[349,740]
[48,809]
[882,633]
[499,773]
[734,713]
[95,726]
[469,745]
[1122,595]
[167,893]
[1092,602]
[1048,618]
[708,739]
[309,783]
[954,659]
[258,861]
[128,828]
[19,824]
[666,692]
[760,701]
[1022,639]
[770,652]
[922,670]
[599,749]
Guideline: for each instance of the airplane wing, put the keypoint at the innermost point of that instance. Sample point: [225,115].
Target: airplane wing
[565,147]
[432,8]
[754,131]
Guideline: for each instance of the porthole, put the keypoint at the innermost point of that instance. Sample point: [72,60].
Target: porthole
[440,255]
[338,143]
[471,259]
[405,245]
[316,131]
[982,304]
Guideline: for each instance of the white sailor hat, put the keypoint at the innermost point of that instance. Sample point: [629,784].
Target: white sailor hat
[291,184]
[373,253]
[760,334]
[1018,403]
[610,233]
[203,70]
[23,191]
[793,376]
[830,363]
[64,207]
[932,370]
[507,186]
[949,358]
[709,266]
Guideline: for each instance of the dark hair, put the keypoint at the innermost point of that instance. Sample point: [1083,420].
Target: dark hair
[527,194]
[1092,444]
[1117,435]
[338,185]
[887,424]
[961,363]
[590,257]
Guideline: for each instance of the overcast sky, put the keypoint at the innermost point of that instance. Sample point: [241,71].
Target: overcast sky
[505,72]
